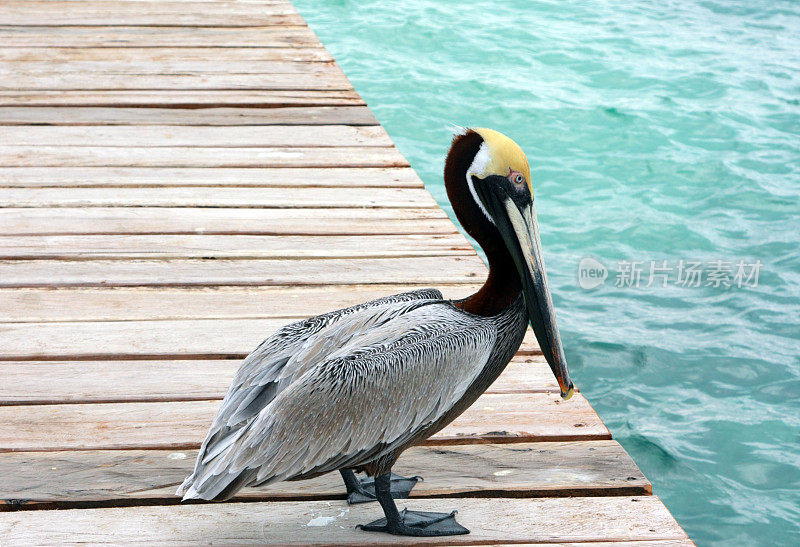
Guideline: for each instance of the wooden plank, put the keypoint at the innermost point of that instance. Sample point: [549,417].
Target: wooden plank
[109,13]
[91,71]
[81,36]
[20,57]
[123,247]
[214,81]
[178,98]
[171,273]
[250,198]
[163,67]
[150,136]
[186,380]
[92,478]
[365,177]
[167,339]
[104,156]
[321,115]
[222,220]
[516,417]
[142,303]
[543,520]
[266,198]
[117,304]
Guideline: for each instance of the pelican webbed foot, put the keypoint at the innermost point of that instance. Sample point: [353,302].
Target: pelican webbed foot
[410,523]
[363,490]
[418,523]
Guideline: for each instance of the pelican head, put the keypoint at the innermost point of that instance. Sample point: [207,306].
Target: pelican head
[488,182]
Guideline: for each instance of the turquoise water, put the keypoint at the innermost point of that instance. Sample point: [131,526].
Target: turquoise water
[657,130]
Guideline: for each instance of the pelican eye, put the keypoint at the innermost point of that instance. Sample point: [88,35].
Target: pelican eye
[519,179]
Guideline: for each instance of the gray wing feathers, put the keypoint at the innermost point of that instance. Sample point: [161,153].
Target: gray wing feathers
[277,358]
[366,397]
[264,373]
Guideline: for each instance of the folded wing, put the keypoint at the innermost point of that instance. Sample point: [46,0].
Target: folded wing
[389,376]
[273,364]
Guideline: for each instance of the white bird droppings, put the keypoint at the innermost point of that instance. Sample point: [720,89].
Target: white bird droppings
[321,521]
[177,456]
[325,521]
[502,473]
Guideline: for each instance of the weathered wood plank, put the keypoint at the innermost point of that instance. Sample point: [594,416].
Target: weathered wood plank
[190,272]
[79,156]
[222,220]
[271,76]
[169,380]
[91,71]
[543,520]
[178,98]
[142,303]
[20,57]
[81,36]
[108,13]
[123,247]
[582,468]
[515,417]
[365,177]
[148,136]
[258,198]
[221,80]
[523,417]
[167,339]
[87,115]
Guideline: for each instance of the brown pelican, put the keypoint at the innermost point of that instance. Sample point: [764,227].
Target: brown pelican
[352,389]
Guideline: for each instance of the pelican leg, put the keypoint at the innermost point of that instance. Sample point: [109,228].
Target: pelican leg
[363,490]
[410,523]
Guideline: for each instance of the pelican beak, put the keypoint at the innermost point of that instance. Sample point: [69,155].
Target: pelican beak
[514,214]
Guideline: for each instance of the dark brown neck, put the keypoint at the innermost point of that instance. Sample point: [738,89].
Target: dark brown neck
[500,290]
[502,287]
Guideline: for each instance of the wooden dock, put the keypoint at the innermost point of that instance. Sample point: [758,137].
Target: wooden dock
[178,179]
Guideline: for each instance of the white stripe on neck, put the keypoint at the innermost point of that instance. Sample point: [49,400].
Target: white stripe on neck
[478,167]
